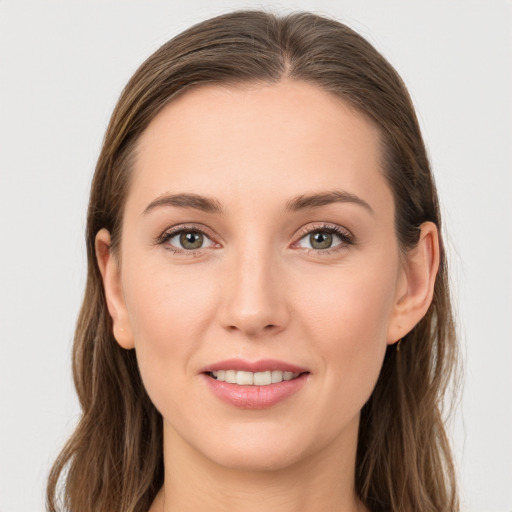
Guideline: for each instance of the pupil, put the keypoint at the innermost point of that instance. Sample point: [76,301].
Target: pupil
[191,240]
[321,240]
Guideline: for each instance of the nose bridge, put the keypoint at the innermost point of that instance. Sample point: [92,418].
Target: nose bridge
[254,302]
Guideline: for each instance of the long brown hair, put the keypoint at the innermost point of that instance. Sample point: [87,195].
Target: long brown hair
[113,460]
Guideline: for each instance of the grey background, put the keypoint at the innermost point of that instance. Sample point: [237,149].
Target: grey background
[62,67]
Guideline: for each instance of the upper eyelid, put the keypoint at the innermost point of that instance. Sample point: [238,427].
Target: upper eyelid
[186,227]
[327,226]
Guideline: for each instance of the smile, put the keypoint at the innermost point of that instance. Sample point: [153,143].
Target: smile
[244,378]
[254,384]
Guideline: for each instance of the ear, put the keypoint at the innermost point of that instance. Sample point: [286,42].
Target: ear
[416,283]
[111,274]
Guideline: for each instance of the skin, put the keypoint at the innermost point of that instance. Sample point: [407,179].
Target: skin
[258,289]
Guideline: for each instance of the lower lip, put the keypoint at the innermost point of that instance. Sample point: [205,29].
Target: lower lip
[255,397]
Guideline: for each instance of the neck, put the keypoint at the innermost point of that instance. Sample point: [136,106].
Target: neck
[324,481]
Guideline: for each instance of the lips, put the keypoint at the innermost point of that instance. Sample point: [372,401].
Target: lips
[254,385]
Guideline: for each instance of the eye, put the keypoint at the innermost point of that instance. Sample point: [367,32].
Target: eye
[326,238]
[189,240]
[186,240]
[321,240]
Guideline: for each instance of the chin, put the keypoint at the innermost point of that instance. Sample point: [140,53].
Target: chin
[257,447]
[256,458]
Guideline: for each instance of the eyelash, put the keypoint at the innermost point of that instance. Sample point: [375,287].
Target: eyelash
[344,235]
[346,238]
[167,235]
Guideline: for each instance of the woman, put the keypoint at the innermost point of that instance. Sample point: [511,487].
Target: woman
[267,320]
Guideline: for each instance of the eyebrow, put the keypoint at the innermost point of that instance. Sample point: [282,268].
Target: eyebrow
[186,200]
[302,202]
[309,201]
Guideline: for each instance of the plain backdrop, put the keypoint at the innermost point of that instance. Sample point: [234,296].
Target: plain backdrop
[62,67]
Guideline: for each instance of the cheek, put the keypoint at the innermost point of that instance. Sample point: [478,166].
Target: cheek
[353,307]
[166,304]
[349,322]
[168,312]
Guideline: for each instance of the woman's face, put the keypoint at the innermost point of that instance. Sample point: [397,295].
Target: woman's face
[258,238]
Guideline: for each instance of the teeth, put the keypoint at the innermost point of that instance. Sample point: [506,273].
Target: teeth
[231,376]
[262,378]
[277,376]
[253,379]
[245,378]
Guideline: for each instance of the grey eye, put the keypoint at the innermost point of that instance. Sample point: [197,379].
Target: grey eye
[320,240]
[189,240]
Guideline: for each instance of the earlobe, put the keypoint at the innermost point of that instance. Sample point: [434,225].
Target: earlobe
[111,275]
[420,270]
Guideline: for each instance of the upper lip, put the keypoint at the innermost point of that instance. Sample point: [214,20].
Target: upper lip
[261,365]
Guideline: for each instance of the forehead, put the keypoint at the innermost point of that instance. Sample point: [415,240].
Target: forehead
[275,140]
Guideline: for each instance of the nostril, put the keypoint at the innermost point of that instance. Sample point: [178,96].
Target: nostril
[253,330]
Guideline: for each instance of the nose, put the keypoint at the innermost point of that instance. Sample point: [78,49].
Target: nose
[253,299]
